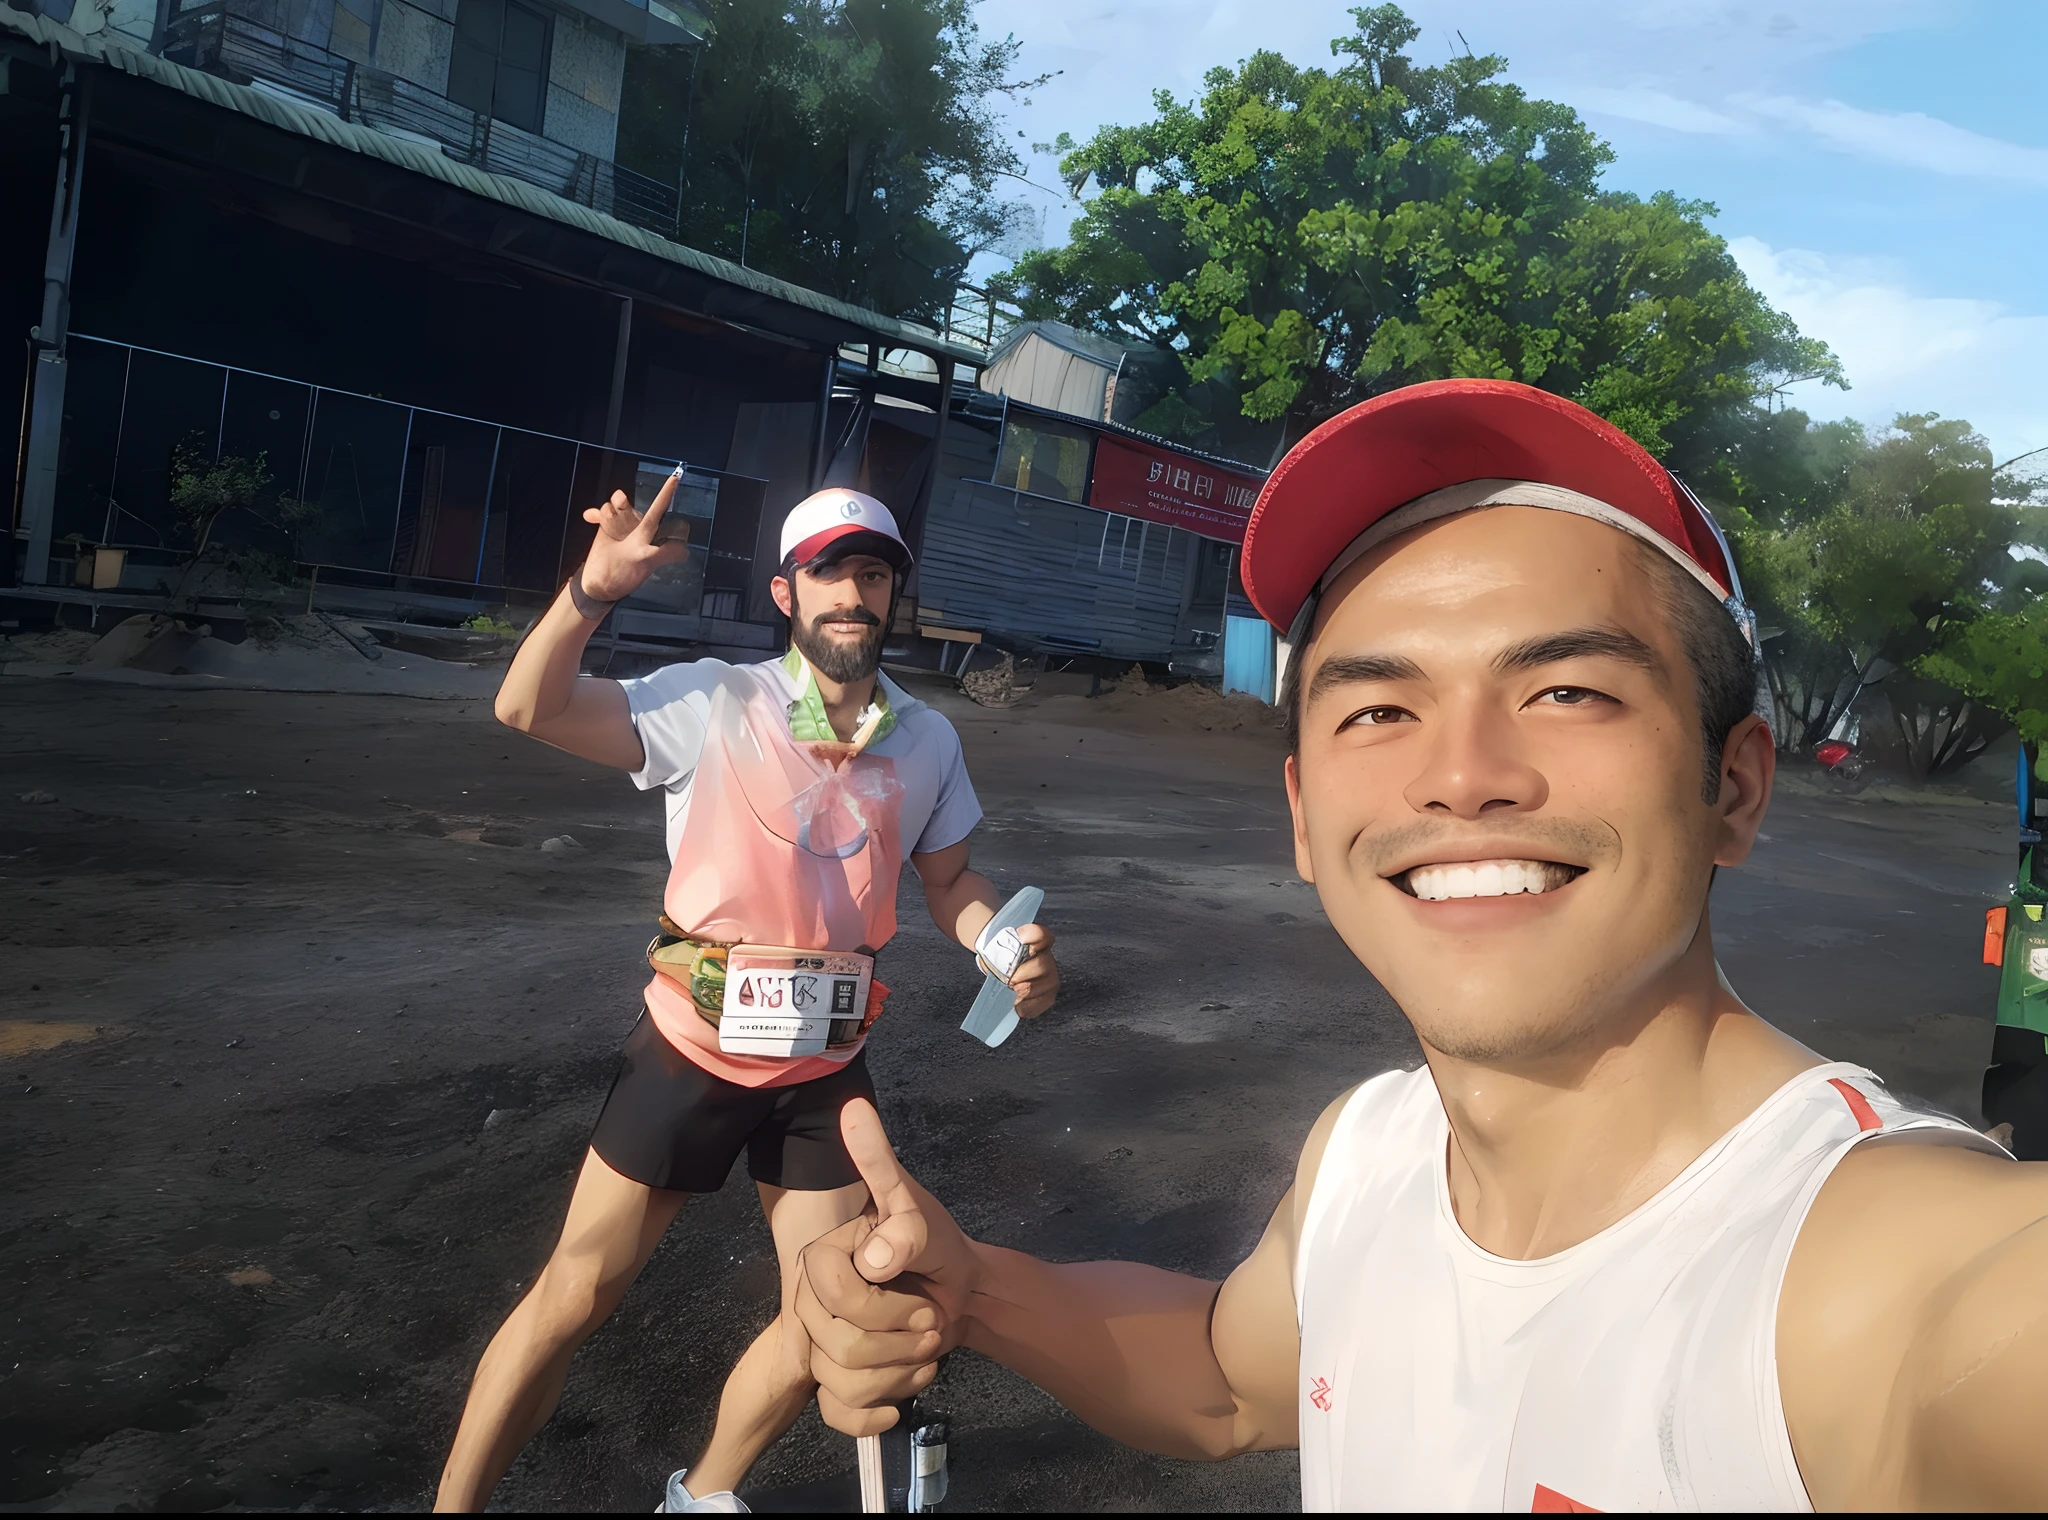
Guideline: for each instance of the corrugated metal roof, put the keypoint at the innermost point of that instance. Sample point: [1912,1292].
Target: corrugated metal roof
[1093,347]
[321,127]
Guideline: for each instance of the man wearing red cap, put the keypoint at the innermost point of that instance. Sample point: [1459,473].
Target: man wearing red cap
[795,789]
[1619,1244]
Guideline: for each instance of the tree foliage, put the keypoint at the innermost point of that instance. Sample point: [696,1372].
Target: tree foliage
[1887,558]
[851,146]
[1302,238]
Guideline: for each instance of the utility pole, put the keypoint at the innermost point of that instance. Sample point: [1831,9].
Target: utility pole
[689,108]
[37,510]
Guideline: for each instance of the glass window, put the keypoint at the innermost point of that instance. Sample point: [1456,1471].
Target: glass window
[499,66]
[170,402]
[678,588]
[530,497]
[1045,457]
[523,69]
[85,462]
[447,484]
[354,461]
[266,419]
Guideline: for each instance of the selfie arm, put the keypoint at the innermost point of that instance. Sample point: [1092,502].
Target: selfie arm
[1161,1361]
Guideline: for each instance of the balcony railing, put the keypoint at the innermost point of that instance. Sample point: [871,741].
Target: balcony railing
[234,46]
[978,318]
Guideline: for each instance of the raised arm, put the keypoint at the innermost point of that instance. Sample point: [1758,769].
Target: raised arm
[545,694]
[1162,1361]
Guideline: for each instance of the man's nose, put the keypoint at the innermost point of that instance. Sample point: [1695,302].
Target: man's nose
[1473,764]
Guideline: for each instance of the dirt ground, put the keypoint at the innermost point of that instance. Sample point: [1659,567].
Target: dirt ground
[302,1033]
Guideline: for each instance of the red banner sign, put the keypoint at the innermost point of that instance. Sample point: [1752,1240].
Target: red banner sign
[1164,487]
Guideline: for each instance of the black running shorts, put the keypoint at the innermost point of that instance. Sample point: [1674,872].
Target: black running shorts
[671,1124]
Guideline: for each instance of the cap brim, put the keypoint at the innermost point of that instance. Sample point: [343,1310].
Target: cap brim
[841,540]
[1359,466]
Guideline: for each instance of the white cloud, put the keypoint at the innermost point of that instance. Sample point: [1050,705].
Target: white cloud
[1907,352]
[1657,108]
[1909,139]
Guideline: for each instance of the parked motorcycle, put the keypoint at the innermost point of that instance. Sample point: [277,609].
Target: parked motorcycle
[1842,767]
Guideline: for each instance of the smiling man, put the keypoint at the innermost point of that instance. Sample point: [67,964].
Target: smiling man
[1619,1244]
[795,789]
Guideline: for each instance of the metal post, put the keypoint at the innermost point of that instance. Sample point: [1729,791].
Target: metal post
[683,161]
[619,353]
[821,433]
[483,533]
[38,511]
[914,528]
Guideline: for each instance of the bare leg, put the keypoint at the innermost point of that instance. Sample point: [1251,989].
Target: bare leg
[771,1382]
[613,1226]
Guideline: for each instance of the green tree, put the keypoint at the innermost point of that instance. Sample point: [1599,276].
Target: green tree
[1872,558]
[2001,662]
[1301,238]
[848,145]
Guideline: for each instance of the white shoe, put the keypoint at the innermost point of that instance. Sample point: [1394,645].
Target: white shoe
[680,1501]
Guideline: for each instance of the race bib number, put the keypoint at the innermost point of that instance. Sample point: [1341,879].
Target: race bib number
[784,1002]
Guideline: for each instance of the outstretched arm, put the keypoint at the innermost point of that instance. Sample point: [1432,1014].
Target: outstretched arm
[1169,1363]
[1163,1362]
[1913,1331]
[545,694]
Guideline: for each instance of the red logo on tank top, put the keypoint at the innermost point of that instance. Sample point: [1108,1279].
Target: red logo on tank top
[1548,1501]
[1319,1394]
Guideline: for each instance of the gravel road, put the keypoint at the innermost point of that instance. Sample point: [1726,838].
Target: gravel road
[302,1033]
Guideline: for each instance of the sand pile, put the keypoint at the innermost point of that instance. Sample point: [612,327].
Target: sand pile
[298,653]
[1189,705]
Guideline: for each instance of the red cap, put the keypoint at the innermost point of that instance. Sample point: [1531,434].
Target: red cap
[1383,453]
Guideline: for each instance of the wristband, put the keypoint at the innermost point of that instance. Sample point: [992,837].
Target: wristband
[587,605]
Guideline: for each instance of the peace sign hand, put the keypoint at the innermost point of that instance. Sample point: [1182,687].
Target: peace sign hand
[623,552]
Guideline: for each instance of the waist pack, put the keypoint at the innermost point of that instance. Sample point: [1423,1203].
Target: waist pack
[772,1000]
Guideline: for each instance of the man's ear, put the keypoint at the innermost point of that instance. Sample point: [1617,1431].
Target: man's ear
[1749,763]
[1303,866]
[779,589]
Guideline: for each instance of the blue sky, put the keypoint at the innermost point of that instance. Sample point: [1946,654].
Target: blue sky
[1881,166]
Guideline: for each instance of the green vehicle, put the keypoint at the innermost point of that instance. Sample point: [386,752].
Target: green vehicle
[2016,940]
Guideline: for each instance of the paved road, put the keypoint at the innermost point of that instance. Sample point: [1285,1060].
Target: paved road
[255,1226]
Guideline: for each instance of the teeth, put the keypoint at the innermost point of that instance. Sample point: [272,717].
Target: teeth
[1487,878]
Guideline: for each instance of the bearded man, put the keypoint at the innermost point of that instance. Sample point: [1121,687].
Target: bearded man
[1619,1244]
[795,788]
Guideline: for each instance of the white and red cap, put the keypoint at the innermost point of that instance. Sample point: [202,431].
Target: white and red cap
[1428,451]
[838,522]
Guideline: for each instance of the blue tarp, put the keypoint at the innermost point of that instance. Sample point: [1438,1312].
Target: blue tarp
[1248,656]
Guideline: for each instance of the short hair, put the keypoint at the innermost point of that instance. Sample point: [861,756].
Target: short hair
[1723,665]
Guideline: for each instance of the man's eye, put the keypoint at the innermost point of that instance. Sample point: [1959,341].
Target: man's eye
[1377,717]
[1572,696]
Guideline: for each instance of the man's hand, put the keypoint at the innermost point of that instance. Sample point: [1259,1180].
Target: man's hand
[964,902]
[884,1296]
[1037,981]
[623,553]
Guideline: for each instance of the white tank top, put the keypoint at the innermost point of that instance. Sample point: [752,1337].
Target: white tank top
[1635,1371]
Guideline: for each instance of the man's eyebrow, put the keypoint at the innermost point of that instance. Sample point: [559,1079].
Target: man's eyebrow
[1345,669]
[1577,644]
